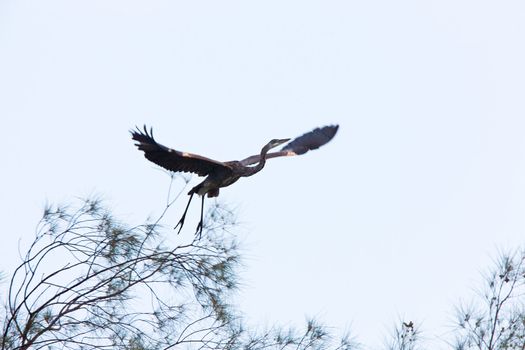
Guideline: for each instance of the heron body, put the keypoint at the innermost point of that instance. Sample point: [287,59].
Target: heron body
[221,178]
[211,185]
[221,174]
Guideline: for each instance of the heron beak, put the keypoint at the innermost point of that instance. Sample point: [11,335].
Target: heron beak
[276,142]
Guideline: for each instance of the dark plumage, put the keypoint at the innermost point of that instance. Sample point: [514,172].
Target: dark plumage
[221,174]
[311,140]
[300,145]
[171,159]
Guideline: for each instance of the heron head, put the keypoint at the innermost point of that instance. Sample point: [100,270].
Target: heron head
[276,142]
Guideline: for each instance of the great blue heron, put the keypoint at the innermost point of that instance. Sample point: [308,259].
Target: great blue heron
[221,174]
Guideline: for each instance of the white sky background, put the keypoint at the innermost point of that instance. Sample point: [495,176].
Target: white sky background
[396,217]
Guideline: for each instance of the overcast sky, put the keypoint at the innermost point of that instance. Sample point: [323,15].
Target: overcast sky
[396,217]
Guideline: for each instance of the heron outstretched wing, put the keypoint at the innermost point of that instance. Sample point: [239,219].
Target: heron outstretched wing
[171,159]
[300,145]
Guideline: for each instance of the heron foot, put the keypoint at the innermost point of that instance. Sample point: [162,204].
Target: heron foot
[199,229]
[181,223]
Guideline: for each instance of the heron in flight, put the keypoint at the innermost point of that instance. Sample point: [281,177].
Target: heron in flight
[221,174]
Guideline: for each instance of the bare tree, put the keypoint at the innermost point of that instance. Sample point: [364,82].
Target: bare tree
[496,320]
[493,320]
[88,281]
[405,336]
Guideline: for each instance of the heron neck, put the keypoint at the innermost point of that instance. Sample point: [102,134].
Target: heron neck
[262,161]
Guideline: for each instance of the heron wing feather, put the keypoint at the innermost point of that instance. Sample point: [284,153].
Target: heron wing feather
[172,159]
[311,140]
[300,145]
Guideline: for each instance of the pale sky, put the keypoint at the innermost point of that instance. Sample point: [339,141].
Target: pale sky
[396,217]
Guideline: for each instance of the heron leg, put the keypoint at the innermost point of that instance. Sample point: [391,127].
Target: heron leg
[181,221]
[199,226]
